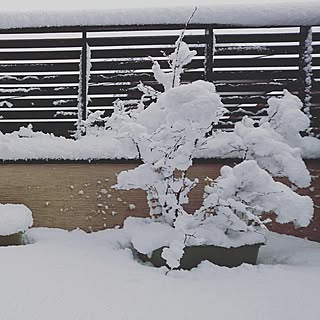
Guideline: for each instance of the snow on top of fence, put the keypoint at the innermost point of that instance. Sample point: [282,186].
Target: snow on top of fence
[128,12]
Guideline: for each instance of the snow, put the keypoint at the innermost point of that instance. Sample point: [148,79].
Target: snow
[145,235]
[26,144]
[79,276]
[247,186]
[286,118]
[124,12]
[14,218]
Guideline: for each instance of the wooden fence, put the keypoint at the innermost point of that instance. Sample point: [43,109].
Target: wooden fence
[54,77]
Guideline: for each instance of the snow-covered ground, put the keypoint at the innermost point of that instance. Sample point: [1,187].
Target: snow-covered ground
[79,276]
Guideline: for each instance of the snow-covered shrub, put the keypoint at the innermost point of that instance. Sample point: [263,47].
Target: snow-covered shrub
[286,118]
[172,130]
[14,218]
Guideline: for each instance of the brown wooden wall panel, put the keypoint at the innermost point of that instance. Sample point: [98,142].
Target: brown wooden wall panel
[71,195]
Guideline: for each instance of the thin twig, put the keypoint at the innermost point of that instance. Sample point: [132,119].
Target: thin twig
[179,44]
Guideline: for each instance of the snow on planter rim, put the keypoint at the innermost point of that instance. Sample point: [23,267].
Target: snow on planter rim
[127,12]
[14,218]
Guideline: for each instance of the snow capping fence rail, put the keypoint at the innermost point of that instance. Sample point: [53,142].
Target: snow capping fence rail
[54,77]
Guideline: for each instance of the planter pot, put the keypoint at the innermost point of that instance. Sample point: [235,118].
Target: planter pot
[193,256]
[11,240]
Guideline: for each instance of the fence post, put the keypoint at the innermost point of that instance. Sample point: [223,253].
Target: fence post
[83,87]
[305,68]
[209,52]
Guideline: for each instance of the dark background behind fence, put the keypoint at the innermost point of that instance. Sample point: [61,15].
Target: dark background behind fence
[41,82]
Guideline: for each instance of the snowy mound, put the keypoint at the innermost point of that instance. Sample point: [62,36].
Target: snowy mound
[14,218]
[147,235]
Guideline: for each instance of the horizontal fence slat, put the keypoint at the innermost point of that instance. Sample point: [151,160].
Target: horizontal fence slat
[65,129]
[255,75]
[258,86]
[40,67]
[137,52]
[260,37]
[38,91]
[38,79]
[36,102]
[39,55]
[36,114]
[237,49]
[144,40]
[139,64]
[120,89]
[315,36]
[137,77]
[40,43]
[256,62]
[259,99]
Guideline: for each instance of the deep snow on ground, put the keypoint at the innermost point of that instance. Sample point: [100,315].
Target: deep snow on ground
[75,276]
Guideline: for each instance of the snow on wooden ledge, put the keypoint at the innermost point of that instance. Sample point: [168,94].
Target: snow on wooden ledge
[139,12]
[27,144]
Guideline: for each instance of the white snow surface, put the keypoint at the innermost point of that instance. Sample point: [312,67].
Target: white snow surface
[14,218]
[26,144]
[78,276]
[146,235]
[34,13]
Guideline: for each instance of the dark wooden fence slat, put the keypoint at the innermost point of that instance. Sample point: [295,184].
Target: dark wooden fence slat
[38,67]
[36,102]
[40,43]
[145,76]
[138,52]
[65,129]
[145,40]
[259,99]
[53,54]
[316,36]
[120,89]
[38,79]
[256,75]
[139,64]
[258,37]
[37,91]
[256,62]
[36,114]
[240,49]
[250,87]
